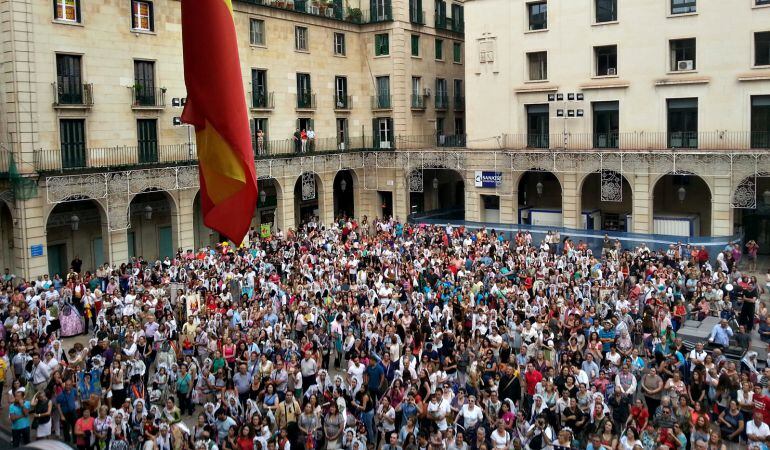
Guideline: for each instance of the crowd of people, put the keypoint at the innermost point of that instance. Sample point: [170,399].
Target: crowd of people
[385,335]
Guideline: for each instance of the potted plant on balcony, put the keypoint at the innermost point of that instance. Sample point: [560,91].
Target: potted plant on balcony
[354,15]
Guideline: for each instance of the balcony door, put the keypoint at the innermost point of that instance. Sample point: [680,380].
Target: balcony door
[259,86]
[682,122]
[304,90]
[606,124]
[147,138]
[69,80]
[537,126]
[144,82]
[383,92]
[341,92]
[72,133]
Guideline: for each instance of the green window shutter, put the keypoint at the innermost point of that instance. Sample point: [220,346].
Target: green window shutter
[457,52]
[439,49]
[415,45]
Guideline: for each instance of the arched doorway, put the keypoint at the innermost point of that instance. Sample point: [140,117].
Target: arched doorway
[307,205]
[153,233]
[442,196]
[268,206]
[76,229]
[681,206]
[6,238]
[540,199]
[753,222]
[344,194]
[202,235]
[606,202]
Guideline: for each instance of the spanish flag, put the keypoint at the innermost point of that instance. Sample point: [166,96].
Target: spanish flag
[216,107]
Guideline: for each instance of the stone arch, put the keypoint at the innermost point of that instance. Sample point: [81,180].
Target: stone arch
[587,211]
[76,226]
[542,192]
[346,201]
[313,207]
[154,224]
[683,205]
[437,189]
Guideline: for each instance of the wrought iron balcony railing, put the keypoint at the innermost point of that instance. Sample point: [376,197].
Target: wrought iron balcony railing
[306,100]
[343,102]
[144,97]
[418,101]
[73,94]
[262,100]
[381,101]
[641,140]
[442,101]
[334,9]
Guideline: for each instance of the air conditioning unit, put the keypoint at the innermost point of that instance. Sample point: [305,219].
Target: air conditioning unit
[612,71]
[426,92]
[685,65]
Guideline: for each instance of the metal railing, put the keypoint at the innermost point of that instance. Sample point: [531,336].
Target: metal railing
[328,9]
[73,94]
[143,97]
[262,100]
[81,158]
[442,101]
[342,102]
[418,101]
[451,140]
[381,101]
[641,140]
[459,102]
[306,101]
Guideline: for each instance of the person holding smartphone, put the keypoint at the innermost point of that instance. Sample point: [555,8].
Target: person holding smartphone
[42,406]
[18,413]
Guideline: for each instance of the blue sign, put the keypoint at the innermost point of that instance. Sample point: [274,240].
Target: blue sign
[36,250]
[488,179]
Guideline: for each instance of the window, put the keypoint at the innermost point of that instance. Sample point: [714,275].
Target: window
[147,140]
[538,65]
[458,90]
[416,14]
[538,15]
[72,135]
[383,132]
[762,2]
[606,60]
[682,54]
[457,52]
[440,129]
[304,91]
[67,10]
[442,94]
[339,44]
[415,45]
[382,101]
[418,100]
[683,6]
[259,94]
[459,126]
[341,93]
[762,48]
[458,18]
[606,124]
[380,10]
[259,137]
[257,32]
[381,44]
[300,39]
[760,121]
[142,16]
[144,83]
[682,122]
[439,49]
[537,126]
[606,11]
[69,83]
[440,13]
[342,133]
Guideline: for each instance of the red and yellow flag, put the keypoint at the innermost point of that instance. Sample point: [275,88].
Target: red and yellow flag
[216,106]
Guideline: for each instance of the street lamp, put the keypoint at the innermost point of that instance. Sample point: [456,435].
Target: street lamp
[681,193]
[148,212]
[435,183]
[343,185]
[539,188]
[262,196]
[75,222]
[766,197]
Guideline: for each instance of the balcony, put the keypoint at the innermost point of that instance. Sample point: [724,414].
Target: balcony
[306,101]
[381,102]
[147,98]
[450,140]
[342,102]
[458,26]
[641,141]
[329,9]
[442,101]
[417,17]
[418,101]
[262,101]
[459,103]
[79,158]
[73,95]
[440,22]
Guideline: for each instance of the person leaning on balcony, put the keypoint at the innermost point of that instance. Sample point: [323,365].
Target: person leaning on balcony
[311,139]
[303,137]
[260,142]
[297,138]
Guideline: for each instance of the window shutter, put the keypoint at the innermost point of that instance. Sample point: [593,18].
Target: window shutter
[55,12]
[375,133]
[133,14]
[311,124]
[77,12]
[388,9]
[372,10]
[253,127]
[152,15]
[392,132]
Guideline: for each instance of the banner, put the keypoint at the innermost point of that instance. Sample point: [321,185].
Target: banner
[486,179]
[264,231]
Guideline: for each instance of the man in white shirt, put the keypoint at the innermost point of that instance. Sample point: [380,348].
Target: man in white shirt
[697,356]
[757,432]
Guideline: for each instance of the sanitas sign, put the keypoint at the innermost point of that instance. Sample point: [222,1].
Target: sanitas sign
[488,179]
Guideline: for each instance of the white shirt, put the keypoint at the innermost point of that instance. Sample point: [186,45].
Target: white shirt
[761,430]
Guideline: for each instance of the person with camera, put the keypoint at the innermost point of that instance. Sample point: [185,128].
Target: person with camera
[42,407]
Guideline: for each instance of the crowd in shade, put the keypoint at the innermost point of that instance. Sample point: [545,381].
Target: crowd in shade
[382,335]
